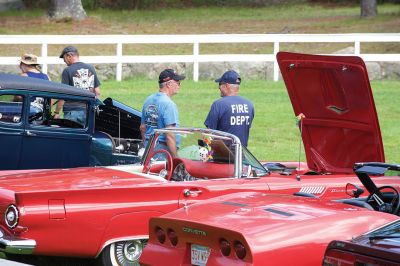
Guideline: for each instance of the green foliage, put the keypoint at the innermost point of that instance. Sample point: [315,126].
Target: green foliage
[274,134]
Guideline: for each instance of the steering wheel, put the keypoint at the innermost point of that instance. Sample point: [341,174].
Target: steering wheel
[169,163]
[391,207]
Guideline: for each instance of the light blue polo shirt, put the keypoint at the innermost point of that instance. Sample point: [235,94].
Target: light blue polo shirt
[159,111]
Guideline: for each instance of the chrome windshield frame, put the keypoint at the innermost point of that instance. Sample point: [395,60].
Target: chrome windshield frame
[214,133]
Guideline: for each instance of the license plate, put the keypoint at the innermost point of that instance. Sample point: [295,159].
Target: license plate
[199,255]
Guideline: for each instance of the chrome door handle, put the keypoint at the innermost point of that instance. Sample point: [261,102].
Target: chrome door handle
[192,192]
[28,133]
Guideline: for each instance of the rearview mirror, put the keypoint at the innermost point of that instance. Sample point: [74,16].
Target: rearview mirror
[354,190]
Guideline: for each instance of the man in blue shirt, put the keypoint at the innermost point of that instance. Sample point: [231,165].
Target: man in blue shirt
[232,113]
[159,111]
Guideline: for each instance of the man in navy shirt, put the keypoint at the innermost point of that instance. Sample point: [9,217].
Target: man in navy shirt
[232,113]
[79,75]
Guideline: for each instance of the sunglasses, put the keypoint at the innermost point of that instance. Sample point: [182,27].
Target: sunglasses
[176,81]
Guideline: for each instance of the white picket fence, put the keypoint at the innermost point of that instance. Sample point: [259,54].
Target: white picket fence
[196,41]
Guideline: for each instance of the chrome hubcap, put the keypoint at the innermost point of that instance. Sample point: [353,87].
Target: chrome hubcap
[127,253]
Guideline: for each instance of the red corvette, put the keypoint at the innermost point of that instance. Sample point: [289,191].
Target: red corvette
[103,212]
[253,228]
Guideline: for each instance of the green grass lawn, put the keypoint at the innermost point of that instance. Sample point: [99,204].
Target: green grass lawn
[274,135]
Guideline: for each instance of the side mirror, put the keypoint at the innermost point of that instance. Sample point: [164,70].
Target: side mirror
[354,190]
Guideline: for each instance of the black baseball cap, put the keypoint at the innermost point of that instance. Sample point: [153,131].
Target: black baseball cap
[68,49]
[230,77]
[169,74]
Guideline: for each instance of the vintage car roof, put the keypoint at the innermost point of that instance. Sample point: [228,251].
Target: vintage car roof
[9,81]
[334,94]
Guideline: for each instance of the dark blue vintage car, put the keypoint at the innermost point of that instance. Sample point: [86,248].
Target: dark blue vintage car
[31,137]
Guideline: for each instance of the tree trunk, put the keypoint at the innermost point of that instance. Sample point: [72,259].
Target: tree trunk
[368,8]
[66,10]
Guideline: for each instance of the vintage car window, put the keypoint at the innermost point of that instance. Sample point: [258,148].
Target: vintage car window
[11,108]
[251,166]
[36,110]
[43,112]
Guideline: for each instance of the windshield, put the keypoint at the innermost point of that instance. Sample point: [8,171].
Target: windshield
[251,166]
[217,150]
[391,230]
[205,147]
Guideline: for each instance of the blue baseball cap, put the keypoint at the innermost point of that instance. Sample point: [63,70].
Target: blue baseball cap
[231,77]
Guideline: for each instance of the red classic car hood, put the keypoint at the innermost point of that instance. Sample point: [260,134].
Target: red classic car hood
[253,213]
[249,211]
[71,179]
[340,124]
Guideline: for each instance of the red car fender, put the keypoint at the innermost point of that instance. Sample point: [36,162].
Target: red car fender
[127,226]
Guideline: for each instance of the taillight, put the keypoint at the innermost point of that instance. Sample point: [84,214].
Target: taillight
[173,238]
[240,250]
[11,216]
[225,247]
[160,234]
[334,257]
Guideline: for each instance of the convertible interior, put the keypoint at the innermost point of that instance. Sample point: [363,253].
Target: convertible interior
[380,198]
[201,156]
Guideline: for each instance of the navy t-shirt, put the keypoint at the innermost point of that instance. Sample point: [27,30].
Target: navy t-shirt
[232,114]
[79,75]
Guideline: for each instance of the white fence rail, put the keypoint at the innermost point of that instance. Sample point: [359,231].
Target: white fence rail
[196,41]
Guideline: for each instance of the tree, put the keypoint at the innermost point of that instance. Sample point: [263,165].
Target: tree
[66,9]
[368,8]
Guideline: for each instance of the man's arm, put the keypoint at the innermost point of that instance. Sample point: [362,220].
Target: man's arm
[97,92]
[59,107]
[142,130]
[171,142]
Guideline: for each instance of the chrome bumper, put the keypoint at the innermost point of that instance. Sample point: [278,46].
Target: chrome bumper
[13,245]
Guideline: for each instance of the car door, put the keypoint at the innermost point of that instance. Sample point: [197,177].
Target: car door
[50,142]
[11,129]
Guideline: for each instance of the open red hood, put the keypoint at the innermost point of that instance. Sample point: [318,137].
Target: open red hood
[341,124]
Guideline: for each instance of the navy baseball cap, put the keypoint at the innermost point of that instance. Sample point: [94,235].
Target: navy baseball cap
[68,49]
[231,77]
[169,74]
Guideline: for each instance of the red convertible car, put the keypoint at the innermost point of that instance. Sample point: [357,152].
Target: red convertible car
[253,228]
[103,212]
[378,247]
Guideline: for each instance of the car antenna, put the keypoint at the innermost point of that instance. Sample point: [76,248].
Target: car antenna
[299,121]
